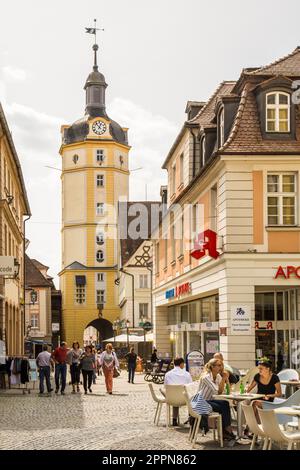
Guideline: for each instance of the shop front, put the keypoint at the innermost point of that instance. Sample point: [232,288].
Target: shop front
[277,325]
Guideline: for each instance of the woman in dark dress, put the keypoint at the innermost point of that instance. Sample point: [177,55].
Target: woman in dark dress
[267,383]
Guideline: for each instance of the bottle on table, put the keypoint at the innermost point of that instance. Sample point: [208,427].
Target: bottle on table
[242,388]
[227,389]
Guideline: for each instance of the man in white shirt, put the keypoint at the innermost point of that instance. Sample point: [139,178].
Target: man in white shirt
[177,376]
[44,362]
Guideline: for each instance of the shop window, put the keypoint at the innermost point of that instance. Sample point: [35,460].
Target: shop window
[184,314]
[264,306]
[279,305]
[172,317]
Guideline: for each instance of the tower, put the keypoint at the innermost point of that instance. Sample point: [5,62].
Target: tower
[94,178]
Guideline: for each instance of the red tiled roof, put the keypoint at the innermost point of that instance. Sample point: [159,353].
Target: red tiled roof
[288,65]
[33,277]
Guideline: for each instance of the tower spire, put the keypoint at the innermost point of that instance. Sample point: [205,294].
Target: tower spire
[95,46]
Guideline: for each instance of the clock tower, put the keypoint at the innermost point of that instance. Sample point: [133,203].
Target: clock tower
[95,175]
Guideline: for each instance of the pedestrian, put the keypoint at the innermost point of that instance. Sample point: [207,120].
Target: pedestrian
[94,351]
[131,364]
[99,370]
[73,357]
[88,366]
[154,356]
[177,376]
[60,357]
[109,362]
[44,362]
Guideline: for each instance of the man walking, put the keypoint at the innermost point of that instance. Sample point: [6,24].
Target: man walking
[60,358]
[44,362]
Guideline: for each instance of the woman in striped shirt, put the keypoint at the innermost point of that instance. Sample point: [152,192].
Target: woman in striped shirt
[212,382]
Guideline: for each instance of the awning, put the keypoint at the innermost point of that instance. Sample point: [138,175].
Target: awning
[130,339]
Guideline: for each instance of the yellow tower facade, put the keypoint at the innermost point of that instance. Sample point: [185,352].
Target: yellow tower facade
[95,178]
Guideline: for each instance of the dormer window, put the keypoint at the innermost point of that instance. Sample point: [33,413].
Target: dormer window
[277,112]
[221,127]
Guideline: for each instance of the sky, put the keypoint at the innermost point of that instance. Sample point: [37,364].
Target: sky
[155,55]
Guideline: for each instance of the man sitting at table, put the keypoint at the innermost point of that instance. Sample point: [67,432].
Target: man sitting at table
[177,376]
[212,382]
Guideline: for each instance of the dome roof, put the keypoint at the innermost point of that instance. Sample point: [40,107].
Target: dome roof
[95,78]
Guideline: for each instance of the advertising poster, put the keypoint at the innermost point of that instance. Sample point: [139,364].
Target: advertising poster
[195,364]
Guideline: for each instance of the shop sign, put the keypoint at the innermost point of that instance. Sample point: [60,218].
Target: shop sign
[210,326]
[205,244]
[287,272]
[195,364]
[7,266]
[240,320]
[263,325]
[55,327]
[178,291]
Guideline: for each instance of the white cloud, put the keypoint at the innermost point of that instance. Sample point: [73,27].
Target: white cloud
[150,136]
[14,73]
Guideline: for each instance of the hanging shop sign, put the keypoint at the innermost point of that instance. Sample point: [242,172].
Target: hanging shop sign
[178,291]
[7,265]
[263,325]
[206,244]
[195,364]
[286,272]
[240,320]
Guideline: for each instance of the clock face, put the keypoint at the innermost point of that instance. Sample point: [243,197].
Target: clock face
[99,127]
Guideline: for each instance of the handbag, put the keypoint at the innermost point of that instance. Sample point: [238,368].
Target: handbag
[116,373]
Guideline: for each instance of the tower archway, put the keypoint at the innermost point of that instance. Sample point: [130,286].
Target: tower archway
[102,327]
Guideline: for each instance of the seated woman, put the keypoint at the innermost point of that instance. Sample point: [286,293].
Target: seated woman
[212,383]
[267,383]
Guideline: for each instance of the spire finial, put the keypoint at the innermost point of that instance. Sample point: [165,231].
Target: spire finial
[95,46]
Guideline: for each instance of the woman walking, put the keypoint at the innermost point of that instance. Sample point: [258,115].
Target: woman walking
[88,366]
[109,362]
[73,357]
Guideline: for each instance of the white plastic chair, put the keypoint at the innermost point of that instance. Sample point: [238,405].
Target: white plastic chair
[217,417]
[287,374]
[253,425]
[160,401]
[174,398]
[272,429]
[291,401]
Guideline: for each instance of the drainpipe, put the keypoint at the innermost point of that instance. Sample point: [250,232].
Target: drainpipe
[132,276]
[194,152]
[24,238]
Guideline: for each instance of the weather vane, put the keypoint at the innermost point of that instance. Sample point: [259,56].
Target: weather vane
[94,30]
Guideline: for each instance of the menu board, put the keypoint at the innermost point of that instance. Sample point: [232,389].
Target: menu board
[195,364]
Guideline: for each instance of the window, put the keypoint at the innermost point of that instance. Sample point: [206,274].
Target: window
[173,242]
[100,156]
[100,256]
[143,310]
[34,321]
[181,236]
[100,208]
[213,209]
[281,199]
[157,257]
[100,181]
[143,281]
[181,168]
[221,127]
[100,238]
[166,251]
[100,296]
[100,277]
[278,112]
[203,145]
[80,283]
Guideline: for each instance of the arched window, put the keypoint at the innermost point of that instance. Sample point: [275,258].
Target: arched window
[277,112]
[100,256]
[100,238]
[221,127]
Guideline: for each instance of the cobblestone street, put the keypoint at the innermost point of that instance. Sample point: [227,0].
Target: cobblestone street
[123,421]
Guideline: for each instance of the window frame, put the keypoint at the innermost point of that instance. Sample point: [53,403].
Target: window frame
[100,178]
[100,296]
[221,126]
[203,151]
[98,212]
[80,294]
[100,260]
[280,195]
[277,106]
[100,157]
[142,283]
[142,313]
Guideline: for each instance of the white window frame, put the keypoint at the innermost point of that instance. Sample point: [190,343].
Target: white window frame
[98,258]
[100,181]
[280,195]
[277,108]
[100,208]
[181,164]
[203,143]
[100,277]
[173,180]
[100,238]
[34,324]
[221,127]
[142,307]
[100,156]
[100,296]
[143,281]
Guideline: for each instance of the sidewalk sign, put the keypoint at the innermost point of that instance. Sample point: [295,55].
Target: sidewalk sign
[195,364]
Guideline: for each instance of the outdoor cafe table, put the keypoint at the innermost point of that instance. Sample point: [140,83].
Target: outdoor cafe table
[291,384]
[239,398]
